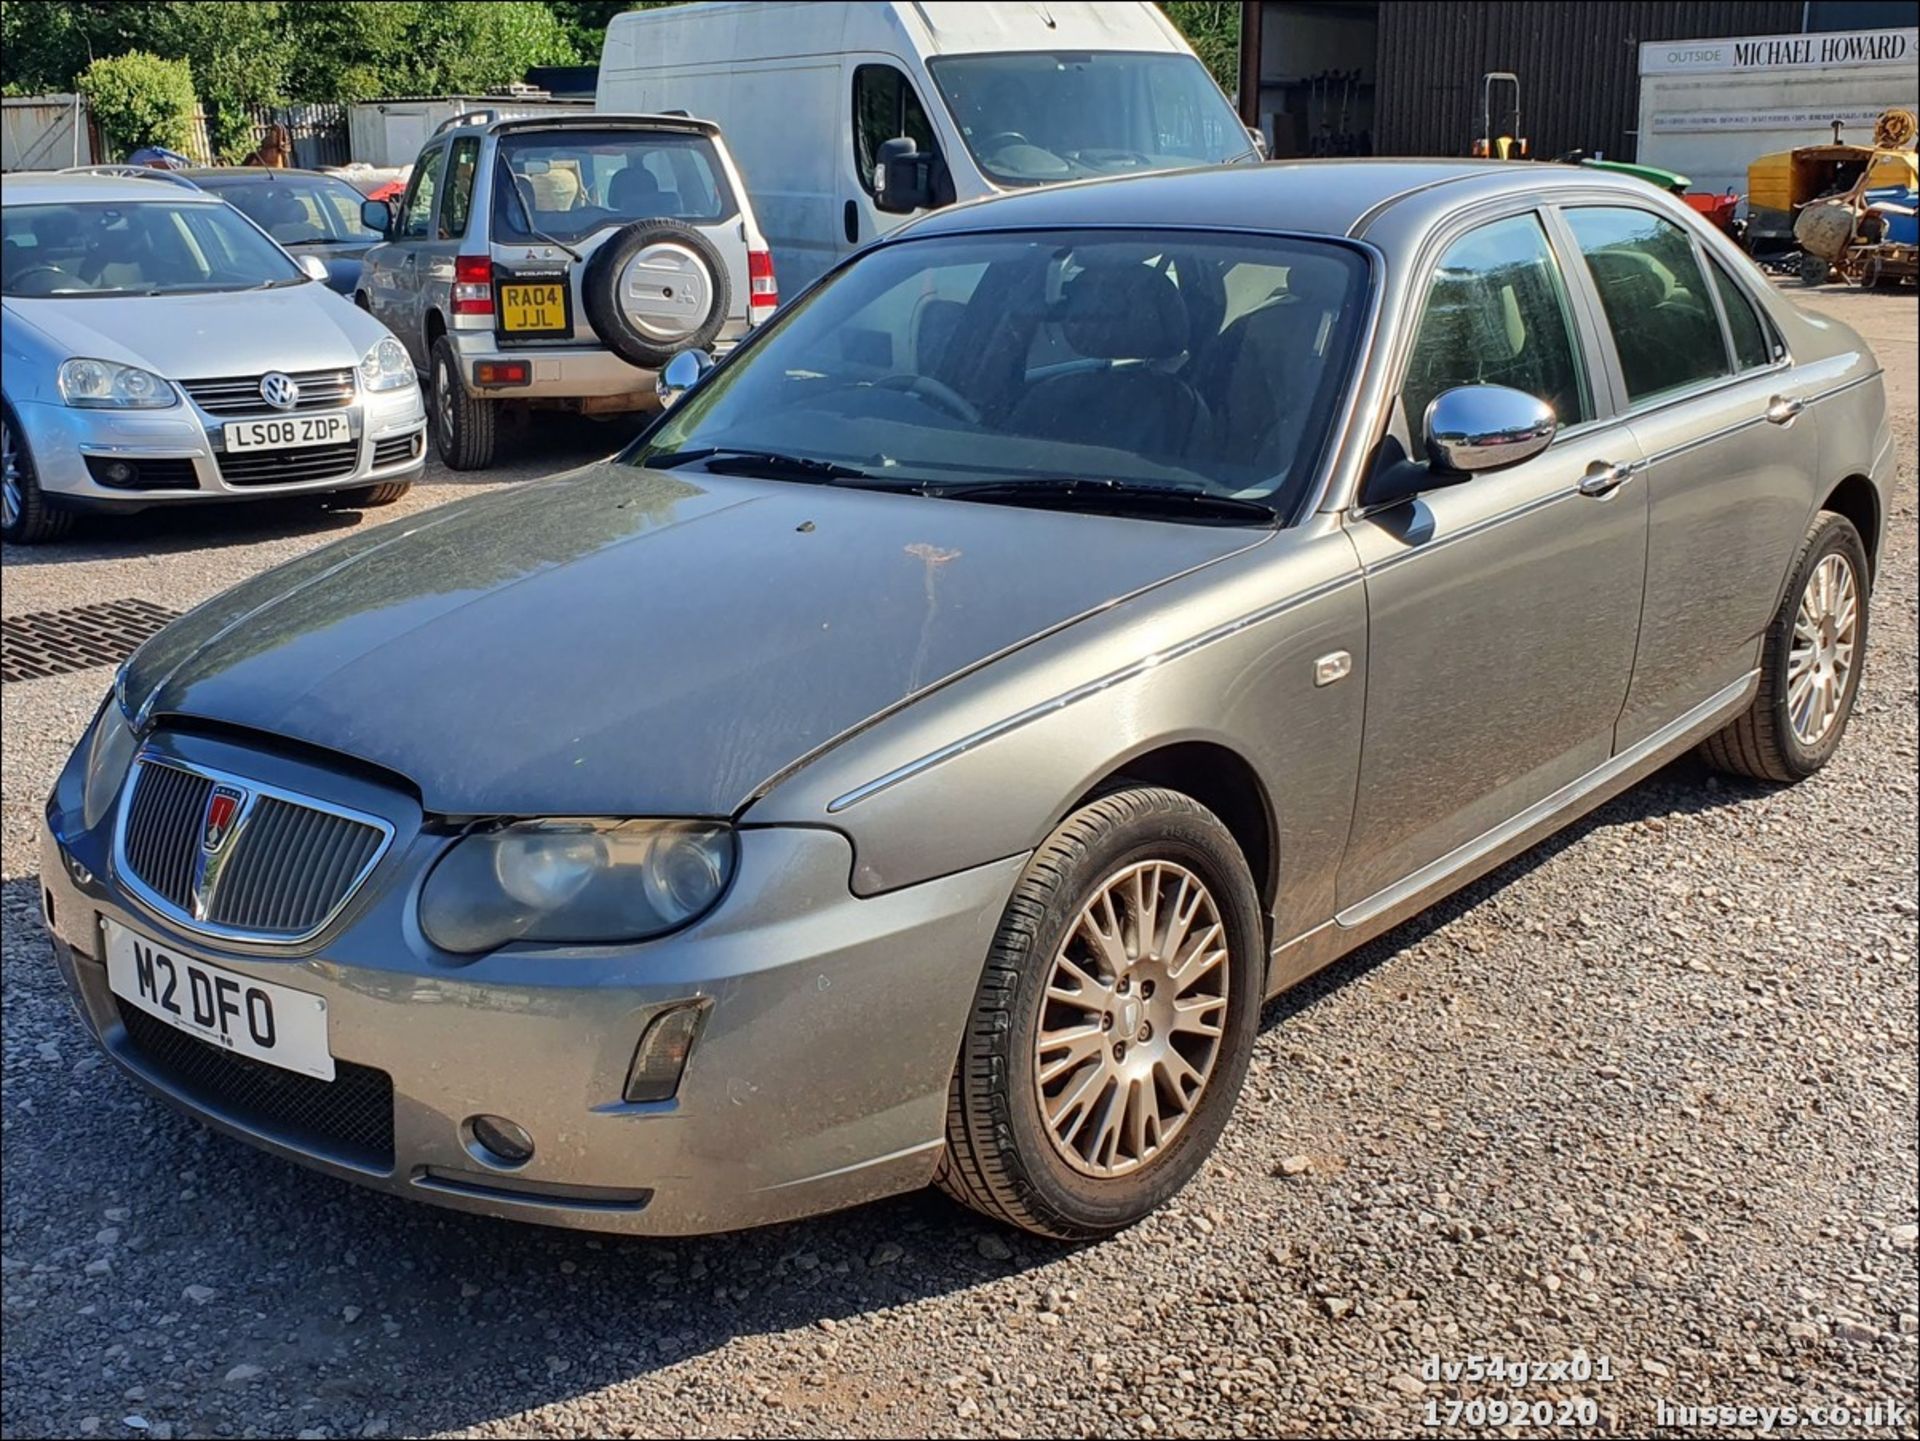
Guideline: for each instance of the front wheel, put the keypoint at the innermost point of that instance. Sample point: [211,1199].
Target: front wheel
[1112,1025]
[1810,663]
[26,515]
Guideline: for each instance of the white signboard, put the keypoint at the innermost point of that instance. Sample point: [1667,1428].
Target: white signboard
[1831,50]
[1811,121]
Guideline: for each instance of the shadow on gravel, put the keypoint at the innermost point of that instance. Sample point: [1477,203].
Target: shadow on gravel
[372,1312]
[1682,787]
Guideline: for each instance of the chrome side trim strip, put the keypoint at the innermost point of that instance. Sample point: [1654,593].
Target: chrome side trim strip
[1079,693]
[1479,527]
[1435,872]
[166,912]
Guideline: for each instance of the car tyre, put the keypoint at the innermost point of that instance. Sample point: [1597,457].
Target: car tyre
[370,497]
[653,346]
[1810,663]
[463,424]
[1018,1144]
[28,517]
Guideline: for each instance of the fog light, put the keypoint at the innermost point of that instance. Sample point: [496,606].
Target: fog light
[501,372]
[662,1053]
[496,1141]
[116,472]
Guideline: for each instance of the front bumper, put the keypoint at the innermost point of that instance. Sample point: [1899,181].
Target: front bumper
[389,437]
[818,1080]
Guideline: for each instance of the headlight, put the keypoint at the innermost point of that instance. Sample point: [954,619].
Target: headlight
[582,881]
[386,366]
[106,385]
[109,753]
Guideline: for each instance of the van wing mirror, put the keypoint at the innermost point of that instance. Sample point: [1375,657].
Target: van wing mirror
[904,177]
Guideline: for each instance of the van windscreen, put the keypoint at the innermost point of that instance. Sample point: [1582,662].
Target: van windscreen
[571,182]
[1037,117]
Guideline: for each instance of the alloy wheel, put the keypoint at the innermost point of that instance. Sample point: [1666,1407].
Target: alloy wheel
[1825,633]
[443,384]
[1131,1026]
[10,496]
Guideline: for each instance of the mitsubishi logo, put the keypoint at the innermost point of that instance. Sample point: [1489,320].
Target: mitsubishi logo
[282,392]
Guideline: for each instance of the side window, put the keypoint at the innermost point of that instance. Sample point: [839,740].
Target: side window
[1497,314]
[1655,298]
[884,108]
[457,204]
[416,210]
[1748,332]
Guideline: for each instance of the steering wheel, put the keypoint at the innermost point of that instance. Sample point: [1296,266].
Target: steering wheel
[15,280]
[936,393]
[1134,158]
[1002,138]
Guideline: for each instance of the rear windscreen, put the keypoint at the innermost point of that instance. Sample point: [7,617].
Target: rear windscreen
[569,183]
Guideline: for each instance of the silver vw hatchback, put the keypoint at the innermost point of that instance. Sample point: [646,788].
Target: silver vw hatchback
[1077,619]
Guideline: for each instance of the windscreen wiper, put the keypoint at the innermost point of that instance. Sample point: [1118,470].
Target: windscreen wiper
[732,460]
[1102,492]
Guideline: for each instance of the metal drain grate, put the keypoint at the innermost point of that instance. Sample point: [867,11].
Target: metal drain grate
[53,642]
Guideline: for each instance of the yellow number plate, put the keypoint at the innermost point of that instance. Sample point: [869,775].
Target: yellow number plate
[533,307]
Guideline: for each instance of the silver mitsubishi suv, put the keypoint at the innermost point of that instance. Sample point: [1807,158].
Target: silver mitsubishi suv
[559,261]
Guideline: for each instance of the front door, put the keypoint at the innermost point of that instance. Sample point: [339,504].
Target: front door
[1502,612]
[884,106]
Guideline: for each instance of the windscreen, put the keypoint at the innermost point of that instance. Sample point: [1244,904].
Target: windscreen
[152,247]
[1036,117]
[1160,359]
[571,182]
[298,210]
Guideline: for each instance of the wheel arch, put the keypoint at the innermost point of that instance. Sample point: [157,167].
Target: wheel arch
[1856,499]
[436,326]
[1223,781]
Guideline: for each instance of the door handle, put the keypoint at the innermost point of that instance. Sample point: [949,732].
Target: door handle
[1782,409]
[850,222]
[1603,478]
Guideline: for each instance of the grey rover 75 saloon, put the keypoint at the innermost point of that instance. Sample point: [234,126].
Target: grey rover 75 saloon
[1078,618]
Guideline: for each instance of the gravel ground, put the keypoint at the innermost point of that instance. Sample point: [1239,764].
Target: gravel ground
[1646,1096]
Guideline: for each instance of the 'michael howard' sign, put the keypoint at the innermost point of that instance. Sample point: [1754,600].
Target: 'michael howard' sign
[1839,48]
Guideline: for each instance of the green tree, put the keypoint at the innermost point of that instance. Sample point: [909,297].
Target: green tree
[140,99]
[1212,28]
[240,52]
[359,49]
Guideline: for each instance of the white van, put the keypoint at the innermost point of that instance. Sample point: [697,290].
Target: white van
[992,96]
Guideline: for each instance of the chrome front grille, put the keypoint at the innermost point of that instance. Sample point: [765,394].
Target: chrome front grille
[240,394]
[278,870]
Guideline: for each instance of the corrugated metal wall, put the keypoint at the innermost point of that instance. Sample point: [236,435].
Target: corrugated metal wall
[1578,66]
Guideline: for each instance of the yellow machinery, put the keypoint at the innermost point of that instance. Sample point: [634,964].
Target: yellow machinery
[1780,184]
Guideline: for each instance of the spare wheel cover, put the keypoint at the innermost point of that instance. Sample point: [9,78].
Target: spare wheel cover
[666,291]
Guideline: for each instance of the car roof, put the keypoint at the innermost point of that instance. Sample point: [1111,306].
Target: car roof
[198,173]
[49,187]
[1328,197]
[485,119]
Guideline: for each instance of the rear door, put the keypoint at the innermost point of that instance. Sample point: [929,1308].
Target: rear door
[1711,399]
[1503,611]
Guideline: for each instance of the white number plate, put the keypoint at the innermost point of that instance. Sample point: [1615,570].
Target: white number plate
[270,1023]
[289,434]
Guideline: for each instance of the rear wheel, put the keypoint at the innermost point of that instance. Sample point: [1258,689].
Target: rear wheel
[1814,270]
[463,424]
[1810,667]
[26,516]
[1112,1025]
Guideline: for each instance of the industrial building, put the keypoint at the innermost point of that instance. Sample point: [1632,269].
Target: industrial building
[1698,86]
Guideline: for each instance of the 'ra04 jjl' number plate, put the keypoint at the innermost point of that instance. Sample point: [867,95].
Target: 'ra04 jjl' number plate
[275,1024]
